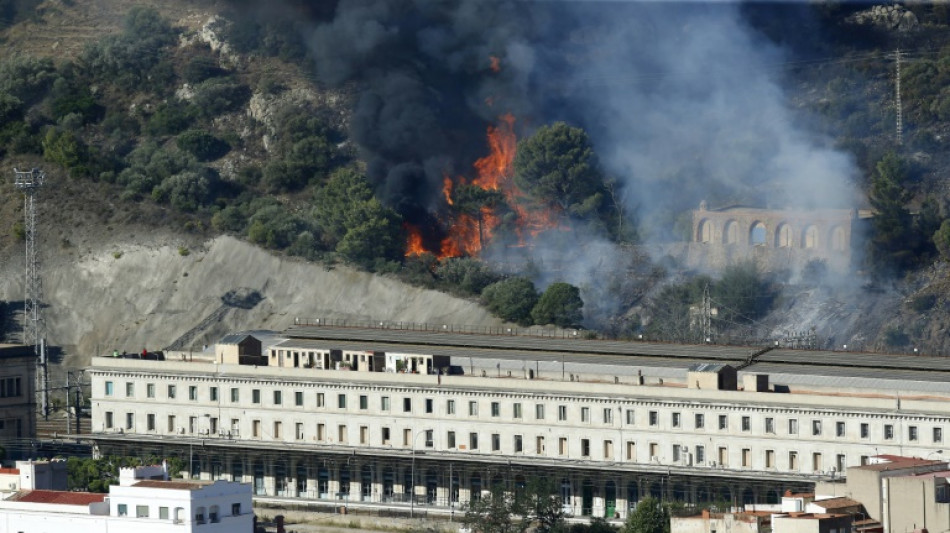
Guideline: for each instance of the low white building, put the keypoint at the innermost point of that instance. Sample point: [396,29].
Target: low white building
[140,504]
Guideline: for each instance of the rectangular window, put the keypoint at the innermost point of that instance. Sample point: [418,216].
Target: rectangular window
[450,407]
[321,399]
[562,413]
[129,389]
[386,437]
[495,409]
[299,430]
[841,462]
[171,392]
[122,509]
[676,420]
[172,428]
[654,451]
[278,433]
[723,422]
[865,430]
[839,429]
[516,411]
[407,405]
[888,432]
[539,411]
[539,445]
[109,422]
[746,457]
[723,456]
[256,396]
[746,423]
[364,434]
[213,394]
[341,401]
[298,398]
[938,434]
[429,438]
[793,461]
[129,419]
[654,418]
[700,454]
[450,439]
[585,414]
[676,453]
[384,403]
[770,425]
[700,421]
[472,408]
[278,397]
[150,390]
[912,433]
[109,388]
[816,427]
[816,462]
[631,417]
[235,509]
[793,426]
[235,395]
[473,441]
[769,458]
[430,406]
[495,442]
[585,447]
[562,446]
[608,415]
[631,450]
[321,432]
[163,513]
[364,402]
[406,437]
[608,449]
[150,422]
[341,433]
[256,429]
[193,393]
[518,444]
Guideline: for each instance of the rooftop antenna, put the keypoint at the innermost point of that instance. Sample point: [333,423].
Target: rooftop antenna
[30,182]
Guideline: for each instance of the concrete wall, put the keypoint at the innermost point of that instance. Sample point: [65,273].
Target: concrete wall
[912,505]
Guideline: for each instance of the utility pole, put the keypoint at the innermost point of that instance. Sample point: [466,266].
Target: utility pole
[30,182]
[897,99]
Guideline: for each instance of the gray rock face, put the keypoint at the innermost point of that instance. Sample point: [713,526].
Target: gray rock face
[890,17]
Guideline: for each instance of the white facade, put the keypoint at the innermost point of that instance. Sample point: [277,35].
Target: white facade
[141,506]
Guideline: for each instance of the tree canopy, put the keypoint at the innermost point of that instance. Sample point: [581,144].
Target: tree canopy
[560,305]
[650,516]
[511,299]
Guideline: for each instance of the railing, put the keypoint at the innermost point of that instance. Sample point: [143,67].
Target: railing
[511,331]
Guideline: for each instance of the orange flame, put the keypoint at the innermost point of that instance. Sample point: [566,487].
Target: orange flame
[495,168]
[495,64]
[447,190]
[414,240]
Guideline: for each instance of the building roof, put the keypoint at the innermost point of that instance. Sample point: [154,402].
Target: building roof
[171,485]
[896,462]
[708,367]
[836,503]
[235,338]
[58,497]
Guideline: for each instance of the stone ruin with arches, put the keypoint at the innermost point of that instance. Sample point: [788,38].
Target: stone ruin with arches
[776,239]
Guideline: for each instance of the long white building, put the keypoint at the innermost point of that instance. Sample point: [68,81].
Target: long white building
[330,417]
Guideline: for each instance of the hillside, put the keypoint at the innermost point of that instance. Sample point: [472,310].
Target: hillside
[348,159]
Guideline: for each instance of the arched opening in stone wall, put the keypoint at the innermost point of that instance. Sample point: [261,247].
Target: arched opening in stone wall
[810,237]
[757,234]
[730,234]
[783,236]
[838,242]
[704,232]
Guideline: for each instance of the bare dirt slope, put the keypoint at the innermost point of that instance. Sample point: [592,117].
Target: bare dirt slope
[152,295]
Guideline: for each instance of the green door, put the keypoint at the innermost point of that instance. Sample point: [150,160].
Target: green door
[610,500]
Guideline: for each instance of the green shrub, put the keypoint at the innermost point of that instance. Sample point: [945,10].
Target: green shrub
[511,299]
[465,275]
[216,96]
[186,191]
[170,118]
[134,59]
[895,337]
[202,145]
[923,302]
[184,252]
[560,305]
[201,68]
[26,78]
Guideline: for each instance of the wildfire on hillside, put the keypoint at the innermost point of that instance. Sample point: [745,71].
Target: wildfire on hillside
[468,234]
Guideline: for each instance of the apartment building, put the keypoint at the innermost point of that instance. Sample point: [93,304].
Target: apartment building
[609,422]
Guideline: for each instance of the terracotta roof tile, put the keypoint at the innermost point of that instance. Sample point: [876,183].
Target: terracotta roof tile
[59,497]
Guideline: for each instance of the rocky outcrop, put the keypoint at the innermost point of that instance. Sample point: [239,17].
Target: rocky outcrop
[891,17]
